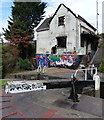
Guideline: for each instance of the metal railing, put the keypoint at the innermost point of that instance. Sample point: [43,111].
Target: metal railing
[86,71]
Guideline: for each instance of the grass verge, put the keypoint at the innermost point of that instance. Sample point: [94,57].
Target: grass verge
[2,83]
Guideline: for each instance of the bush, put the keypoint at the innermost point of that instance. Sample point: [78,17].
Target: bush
[101,66]
[2,83]
[9,58]
[26,52]
[11,61]
[24,64]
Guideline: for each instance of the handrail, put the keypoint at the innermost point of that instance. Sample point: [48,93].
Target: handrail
[95,68]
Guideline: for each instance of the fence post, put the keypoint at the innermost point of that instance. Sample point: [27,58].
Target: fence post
[96,70]
[92,71]
[85,74]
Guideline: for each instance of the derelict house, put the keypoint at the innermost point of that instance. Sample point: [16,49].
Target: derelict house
[65,32]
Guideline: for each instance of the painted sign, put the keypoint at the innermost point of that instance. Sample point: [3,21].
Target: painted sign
[23,86]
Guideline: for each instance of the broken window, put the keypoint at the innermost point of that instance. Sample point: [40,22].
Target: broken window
[61,42]
[61,20]
[82,42]
[54,50]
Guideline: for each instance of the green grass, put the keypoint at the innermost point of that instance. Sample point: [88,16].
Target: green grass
[2,82]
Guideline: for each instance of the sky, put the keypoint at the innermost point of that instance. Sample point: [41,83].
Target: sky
[85,8]
[103,18]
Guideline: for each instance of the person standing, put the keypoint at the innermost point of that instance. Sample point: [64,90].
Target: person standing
[74,89]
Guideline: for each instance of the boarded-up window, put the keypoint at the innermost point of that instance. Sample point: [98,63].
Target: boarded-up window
[61,20]
[61,42]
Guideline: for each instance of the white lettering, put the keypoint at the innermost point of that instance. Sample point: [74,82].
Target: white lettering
[23,86]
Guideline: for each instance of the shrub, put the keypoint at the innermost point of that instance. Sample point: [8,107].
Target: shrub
[24,64]
[9,58]
[2,83]
[101,66]
[26,52]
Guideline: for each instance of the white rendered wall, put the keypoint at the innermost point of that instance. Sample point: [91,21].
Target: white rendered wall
[85,28]
[69,29]
[72,29]
[43,46]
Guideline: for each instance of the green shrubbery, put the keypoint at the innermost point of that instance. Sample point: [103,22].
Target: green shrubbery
[12,62]
[2,83]
[101,66]
[9,59]
[24,64]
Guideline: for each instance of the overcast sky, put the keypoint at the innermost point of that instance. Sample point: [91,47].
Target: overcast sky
[85,8]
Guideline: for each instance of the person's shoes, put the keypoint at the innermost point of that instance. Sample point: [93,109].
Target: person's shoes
[70,98]
[75,100]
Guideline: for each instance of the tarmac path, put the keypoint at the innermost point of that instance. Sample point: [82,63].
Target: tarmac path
[48,104]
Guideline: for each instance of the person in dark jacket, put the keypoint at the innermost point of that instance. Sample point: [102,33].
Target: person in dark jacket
[74,89]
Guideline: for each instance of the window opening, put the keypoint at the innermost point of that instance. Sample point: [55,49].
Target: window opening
[61,20]
[61,42]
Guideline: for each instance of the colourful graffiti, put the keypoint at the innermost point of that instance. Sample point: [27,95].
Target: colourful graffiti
[42,60]
[57,60]
[64,60]
[90,56]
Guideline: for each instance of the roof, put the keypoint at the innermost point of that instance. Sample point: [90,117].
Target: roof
[45,25]
[82,19]
[66,8]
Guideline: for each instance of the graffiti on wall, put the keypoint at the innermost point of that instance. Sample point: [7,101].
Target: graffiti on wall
[57,60]
[42,60]
[23,86]
[63,60]
[80,51]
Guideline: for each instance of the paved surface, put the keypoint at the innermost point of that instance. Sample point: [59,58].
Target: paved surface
[52,73]
[89,105]
[6,108]
[50,104]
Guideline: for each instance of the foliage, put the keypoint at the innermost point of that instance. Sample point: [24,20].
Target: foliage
[1,39]
[2,83]
[11,61]
[24,64]
[27,52]
[25,16]
[0,61]
[101,66]
[101,45]
[101,35]
[101,42]
[9,58]
[20,31]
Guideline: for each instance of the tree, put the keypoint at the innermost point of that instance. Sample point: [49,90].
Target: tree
[1,39]
[25,16]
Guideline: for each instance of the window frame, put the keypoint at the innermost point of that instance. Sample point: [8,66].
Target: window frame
[61,20]
[59,41]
